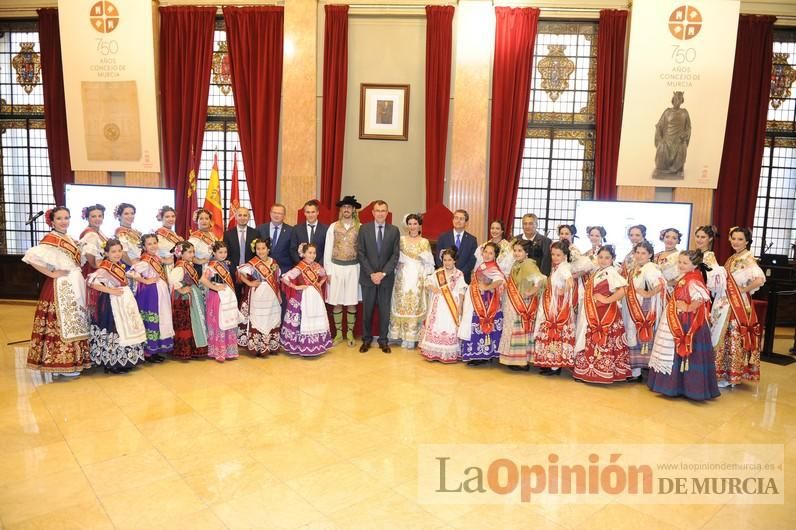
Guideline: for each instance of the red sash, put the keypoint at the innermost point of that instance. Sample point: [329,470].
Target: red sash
[222,271]
[747,319]
[598,326]
[154,262]
[169,235]
[684,342]
[645,323]
[557,322]
[115,270]
[310,276]
[526,311]
[486,315]
[447,295]
[189,270]
[268,272]
[64,244]
[207,237]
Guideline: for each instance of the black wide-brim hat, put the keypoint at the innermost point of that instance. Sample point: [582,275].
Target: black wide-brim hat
[349,200]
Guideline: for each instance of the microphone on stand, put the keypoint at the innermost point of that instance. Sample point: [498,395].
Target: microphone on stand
[33,217]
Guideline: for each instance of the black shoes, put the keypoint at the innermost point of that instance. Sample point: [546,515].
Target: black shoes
[550,371]
[364,348]
[385,347]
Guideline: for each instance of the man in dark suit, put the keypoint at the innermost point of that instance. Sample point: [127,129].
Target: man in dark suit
[378,246]
[238,241]
[279,233]
[464,242]
[311,231]
[540,245]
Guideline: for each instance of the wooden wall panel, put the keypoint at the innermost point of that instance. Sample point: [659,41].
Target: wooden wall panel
[635,193]
[702,200]
[92,177]
[144,180]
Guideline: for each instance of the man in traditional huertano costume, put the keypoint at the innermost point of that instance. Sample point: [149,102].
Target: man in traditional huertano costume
[342,268]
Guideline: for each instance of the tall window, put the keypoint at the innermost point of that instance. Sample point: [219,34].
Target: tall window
[221,130]
[558,157]
[25,185]
[774,226]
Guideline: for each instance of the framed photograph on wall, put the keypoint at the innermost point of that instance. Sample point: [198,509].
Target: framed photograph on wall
[383,112]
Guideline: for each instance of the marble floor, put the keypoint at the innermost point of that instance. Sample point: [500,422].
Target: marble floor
[332,442]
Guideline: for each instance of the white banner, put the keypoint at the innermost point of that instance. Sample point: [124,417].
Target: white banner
[679,74]
[109,84]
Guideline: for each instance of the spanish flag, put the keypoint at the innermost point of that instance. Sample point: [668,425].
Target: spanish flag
[213,200]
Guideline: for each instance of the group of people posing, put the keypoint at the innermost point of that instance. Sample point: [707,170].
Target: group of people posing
[523,301]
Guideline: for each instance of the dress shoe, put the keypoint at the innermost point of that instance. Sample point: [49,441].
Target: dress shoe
[385,348]
[636,379]
[544,371]
[364,348]
[557,371]
[525,368]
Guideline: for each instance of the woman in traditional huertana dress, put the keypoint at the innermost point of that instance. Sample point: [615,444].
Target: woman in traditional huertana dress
[260,304]
[667,258]
[203,238]
[482,315]
[154,300]
[497,235]
[58,341]
[635,234]
[520,308]
[736,330]
[682,362]
[439,340]
[305,328]
[92,240]
[116,335]
[187,306]
[554,336]
[408,309]
[222,306]
[643,308]
[167,237]
[601,354]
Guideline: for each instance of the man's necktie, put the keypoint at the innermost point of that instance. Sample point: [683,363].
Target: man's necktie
[458,241]
[242,241]
[379,239]
[275,236]
[312,232]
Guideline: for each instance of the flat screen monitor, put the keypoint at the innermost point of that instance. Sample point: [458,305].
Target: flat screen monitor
[147,202]
[618,216]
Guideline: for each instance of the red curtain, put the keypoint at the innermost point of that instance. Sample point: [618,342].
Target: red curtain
[255,37]
[52,70]
[735,197]
[335,88]
[186,50]
[610,91]
[515,34]
[439,41]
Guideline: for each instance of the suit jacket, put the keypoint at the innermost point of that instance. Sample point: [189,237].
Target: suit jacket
[281,251]
[540,252]
[370,260]
[233,245]
[465,256]
[299,236]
